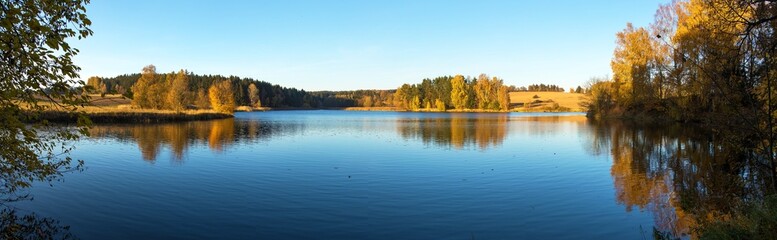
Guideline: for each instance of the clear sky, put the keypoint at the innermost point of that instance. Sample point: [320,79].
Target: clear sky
[346,45]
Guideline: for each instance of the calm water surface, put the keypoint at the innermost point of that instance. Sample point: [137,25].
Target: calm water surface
[356,175]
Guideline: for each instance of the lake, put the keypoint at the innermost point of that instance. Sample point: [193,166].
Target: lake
[374,175]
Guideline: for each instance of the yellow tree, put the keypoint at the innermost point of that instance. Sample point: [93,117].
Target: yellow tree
[663,30]
[493,94]
[96,85]
[141,88]
[201,100]
[459,92]
[440,104]
[414,103]
[157,91]
[483,92]
[367,101]
[630,65]
[253,96]
[178,92]
[221,97]
[503,96]
[403,97]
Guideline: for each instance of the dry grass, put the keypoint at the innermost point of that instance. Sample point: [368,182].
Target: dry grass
[525,101]
[397,109]
[145,116]
[250,109]
[383,109]
[116,109]
[108,100]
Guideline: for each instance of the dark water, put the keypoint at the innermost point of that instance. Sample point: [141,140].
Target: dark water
[370,175]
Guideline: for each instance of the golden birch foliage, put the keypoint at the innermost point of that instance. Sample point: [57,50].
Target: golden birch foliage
[221,97]
[459,92]
[415,103]
[630,64]
[178,92]
[96,85]
[201,100]
[157,91]
[440,104]
[482,91]
[140,89]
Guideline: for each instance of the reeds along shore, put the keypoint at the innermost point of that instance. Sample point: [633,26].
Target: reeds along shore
[132,116]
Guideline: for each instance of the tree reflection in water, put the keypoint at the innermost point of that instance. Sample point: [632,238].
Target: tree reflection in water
[457,130]
[680,174]
[31,226]
[484,131]
[216,134]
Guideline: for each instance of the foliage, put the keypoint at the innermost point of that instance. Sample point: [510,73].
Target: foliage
[96,85]
[201,100]
[140,90]
[538,88]
[364,98]
[440,104]
[502,98]
[459,92]
[710,62]
[454,92]
[253,96]
[221,97]
[178,93]
[269,95]
[36,75]
[145,86]
[758,221]
[707,61]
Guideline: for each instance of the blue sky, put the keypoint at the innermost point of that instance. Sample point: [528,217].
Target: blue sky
[346,45]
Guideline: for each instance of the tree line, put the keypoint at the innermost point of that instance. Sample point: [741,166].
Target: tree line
[454,92]
[185,90]
[246,92]
[540,88]
[182,90]
[195,91]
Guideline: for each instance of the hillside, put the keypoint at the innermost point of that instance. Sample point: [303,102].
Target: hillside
[546,100]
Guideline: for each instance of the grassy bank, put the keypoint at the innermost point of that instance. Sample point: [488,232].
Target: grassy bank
[754,221]
[117,109]
[132,116]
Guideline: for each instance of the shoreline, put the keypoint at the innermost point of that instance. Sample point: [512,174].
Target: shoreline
[131,116]
[164,116]
[394,109]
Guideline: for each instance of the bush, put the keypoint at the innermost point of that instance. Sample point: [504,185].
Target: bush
[758,221]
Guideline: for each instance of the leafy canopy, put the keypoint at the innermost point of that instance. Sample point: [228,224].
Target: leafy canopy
[37,74]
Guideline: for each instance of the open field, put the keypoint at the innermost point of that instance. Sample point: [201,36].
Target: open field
[108,100]
[525,101]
